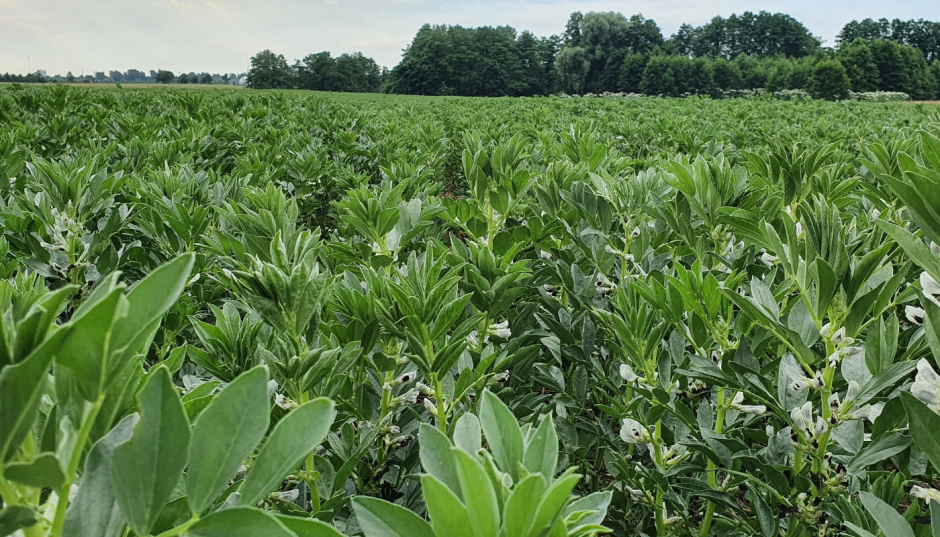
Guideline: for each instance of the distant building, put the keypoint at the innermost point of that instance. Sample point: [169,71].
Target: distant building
[42,73]
[242,81]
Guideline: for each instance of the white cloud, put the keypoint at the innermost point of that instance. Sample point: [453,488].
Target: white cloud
[221,35]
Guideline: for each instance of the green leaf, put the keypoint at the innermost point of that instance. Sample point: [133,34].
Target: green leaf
[935,517]
[860,531]
[239,522]
[15,517]
[888,378]
[596,502]
[467,433]
[86,348]
[479,494]
[541,453]
[94,511]
[224,434]
[883,447]
[522,504]
[147,467]
[437,458]
[293,438]
[890,522]
[923,424]
[449,516]
[42,472]
[308,527]
[379,518]
[21,389]
[765,517]
[913,247]
[553,502]
[151,297]
[502,434]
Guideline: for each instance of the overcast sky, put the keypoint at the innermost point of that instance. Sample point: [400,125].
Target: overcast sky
[221,35]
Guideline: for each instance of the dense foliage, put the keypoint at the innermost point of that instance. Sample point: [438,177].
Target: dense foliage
[921,34]
[608,52]
[282,314]
[322,72]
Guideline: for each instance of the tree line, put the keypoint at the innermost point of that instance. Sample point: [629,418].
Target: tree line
[609,52]
[321,72]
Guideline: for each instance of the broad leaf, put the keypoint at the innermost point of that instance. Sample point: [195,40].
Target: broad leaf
[293,438]
[379,518]
[146,468]
[224,434]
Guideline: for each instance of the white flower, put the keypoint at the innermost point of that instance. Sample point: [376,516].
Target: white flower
[819,382]
[914,314]
[875,213]
[824,331]
[545,255]
[852,392]
[769,430]
[429,406]
[756,410]
[803,417]
[501,377]
[926,385]
[769,260]
[610,249]
[410,397]
[834,403]
[925,493]
[934,248]
[635,233]
[423,388]
[500,330]
[287,495]
[839,336]
[627,373]
[859,413]
[821,426]
[800,382]
[931,288]
[799,230]
[635,494]
[282,401]
[747,409]
[633,432]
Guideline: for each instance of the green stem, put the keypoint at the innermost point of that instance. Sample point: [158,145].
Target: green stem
[712,477]
[660,515]
[310,467]
[10,497]
[181,528]
[441,411]
[63,501]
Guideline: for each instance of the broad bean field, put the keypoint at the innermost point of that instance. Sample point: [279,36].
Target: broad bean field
[292,314]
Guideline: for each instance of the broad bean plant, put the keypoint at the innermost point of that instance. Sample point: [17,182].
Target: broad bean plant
[291,314]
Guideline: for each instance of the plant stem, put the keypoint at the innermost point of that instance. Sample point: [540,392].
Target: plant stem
[712,477]
[310,467]
[441,411]
[63,495]
[181,528]
[660,516]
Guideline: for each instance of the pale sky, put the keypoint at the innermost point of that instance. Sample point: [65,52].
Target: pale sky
[221,35]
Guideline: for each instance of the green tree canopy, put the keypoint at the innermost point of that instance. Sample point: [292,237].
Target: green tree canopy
[829,81]
[269,71]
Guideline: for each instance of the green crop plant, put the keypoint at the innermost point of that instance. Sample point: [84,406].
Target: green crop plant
[299,314]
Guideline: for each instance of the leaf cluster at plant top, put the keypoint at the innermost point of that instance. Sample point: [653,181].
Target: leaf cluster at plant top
[279,314]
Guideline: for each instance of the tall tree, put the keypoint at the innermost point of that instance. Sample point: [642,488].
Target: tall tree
[269,71]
